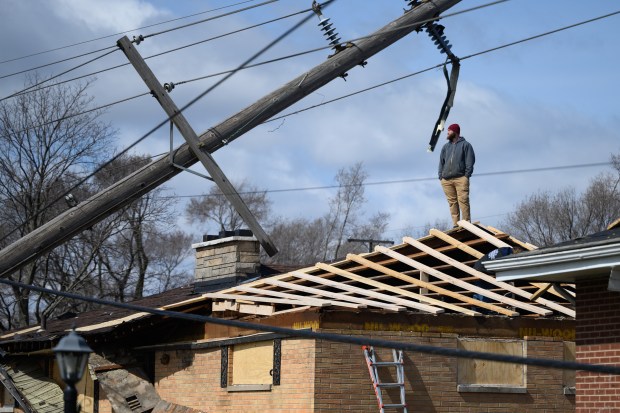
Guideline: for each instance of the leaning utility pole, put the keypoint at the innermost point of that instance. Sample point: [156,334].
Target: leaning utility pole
[101,205]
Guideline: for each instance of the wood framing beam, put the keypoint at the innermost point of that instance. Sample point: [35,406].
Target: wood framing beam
[463,284]
[231,305]
[456,243]
[337,296]
[483,234]
[361,291]
[441,291]
[313,301]
[242,298]
[491,280]
[397,290]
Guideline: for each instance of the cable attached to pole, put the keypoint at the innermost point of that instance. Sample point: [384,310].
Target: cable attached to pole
[436,32]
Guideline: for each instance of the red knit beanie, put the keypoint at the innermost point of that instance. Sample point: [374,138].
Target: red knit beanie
[455,128]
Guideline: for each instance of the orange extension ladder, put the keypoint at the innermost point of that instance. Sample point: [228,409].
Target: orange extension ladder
[373,365]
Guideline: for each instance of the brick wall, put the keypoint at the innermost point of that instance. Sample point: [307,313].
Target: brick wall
[343,383]
[226,257]
[327,377]
[598,342]
[193,379]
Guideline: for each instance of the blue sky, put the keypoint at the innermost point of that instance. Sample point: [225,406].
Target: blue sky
[543,103]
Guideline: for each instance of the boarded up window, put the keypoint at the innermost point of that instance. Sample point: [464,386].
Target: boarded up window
[484,375]
[568,376]
[252,363]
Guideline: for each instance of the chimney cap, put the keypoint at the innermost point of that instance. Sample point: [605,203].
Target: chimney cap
[227,234]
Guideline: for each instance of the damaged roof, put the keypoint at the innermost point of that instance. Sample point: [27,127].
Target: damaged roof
[433,275]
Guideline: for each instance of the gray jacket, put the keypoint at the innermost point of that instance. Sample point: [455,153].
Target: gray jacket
[456,159]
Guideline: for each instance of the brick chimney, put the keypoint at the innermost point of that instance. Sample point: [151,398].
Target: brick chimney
[225,260]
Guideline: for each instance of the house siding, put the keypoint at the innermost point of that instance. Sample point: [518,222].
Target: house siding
[598,342]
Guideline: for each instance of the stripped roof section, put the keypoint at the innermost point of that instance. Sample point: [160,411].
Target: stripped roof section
[433,274]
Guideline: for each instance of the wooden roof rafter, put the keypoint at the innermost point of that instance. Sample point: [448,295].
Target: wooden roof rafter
[433,274]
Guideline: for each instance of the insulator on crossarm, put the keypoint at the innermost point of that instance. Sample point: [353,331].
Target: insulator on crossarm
[436,33]
[326,27]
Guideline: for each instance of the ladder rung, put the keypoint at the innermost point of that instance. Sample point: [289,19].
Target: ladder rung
[390,384]
[394,406]
[386,363]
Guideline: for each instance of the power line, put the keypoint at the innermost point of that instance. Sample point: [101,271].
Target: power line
[123,32]
[358,92]
[141,38]
[339,338]
[209,19]
[58,75]
[181,110]
[158,55]
[403,181]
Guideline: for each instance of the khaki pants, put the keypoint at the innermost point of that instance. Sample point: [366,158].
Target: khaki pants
[457,194]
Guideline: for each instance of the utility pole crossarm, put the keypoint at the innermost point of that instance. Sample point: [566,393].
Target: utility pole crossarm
[149,177]
[192,140]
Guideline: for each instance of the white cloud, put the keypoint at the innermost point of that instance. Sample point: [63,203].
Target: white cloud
[108,15]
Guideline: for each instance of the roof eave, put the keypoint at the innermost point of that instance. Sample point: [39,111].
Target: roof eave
[565,265]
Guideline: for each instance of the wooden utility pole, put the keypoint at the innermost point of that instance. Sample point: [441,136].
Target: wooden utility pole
[149,177]
[193,141]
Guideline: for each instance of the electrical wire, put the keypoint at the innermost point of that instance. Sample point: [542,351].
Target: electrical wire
[338,338]
[123,32]
[181,110]
[402,181]
[58,75]
[209,19]
[249,66]
[166,52]
[142,37]
[56,62]
[355,93]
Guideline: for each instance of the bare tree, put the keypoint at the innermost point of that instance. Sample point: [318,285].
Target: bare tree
[306,241]
[344,206]
[214,207]
[46,136]
[546,218]
[125,256]
[300,241]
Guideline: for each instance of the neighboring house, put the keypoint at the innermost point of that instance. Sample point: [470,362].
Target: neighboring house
[592,263]
[423,291]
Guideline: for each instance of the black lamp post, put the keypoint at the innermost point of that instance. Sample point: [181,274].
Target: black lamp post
[71,355]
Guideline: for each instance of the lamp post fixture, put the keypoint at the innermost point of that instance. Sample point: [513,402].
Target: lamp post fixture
[71,356]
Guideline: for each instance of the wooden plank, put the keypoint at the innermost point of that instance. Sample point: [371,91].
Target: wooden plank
[491,280]
[340,297]
[483,372]
[361,291]
[458,244]
[471,251]
[335,270]
[483,234]
[231,305]
[525,245]
[431,271]
[543,289]
[251,299]
[378,267]
[463,284]
[313,301]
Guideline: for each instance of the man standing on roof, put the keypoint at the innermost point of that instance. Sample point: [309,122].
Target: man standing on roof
[456,164]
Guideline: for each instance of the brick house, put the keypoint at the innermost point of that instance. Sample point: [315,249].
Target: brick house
[592,263]
[426,291]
